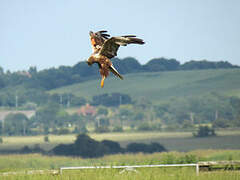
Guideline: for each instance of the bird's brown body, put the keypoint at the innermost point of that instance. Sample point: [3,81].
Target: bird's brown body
[104,49]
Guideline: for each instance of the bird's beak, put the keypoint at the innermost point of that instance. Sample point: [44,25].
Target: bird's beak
[91,33]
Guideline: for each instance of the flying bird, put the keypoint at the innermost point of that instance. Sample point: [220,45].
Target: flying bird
[104,48]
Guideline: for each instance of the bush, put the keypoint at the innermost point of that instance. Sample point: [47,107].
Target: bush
[204,131]
[117,129]
[84,146]
[1,140]
[81,129]
[35,149]
[87,147]
[63,131]
[144,127]
[113,147]
[46,139]
[221,123]
[102,129]
[145,148]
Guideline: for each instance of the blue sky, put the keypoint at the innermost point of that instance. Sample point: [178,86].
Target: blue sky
[50,33]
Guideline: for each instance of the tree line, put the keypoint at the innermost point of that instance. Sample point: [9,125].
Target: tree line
[187,113]
[65,75]
[86,147]
[30,99]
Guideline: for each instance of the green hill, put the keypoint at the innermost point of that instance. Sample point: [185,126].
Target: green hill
[162,85]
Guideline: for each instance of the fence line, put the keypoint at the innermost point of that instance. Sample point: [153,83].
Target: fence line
[130,167]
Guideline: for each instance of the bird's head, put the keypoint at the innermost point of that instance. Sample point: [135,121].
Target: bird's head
[91,34]
[90,61]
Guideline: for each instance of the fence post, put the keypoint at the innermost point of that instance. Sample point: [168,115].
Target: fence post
[197,169]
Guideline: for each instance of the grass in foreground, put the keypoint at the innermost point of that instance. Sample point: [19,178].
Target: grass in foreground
[19,166]
[141,174]
[37,161]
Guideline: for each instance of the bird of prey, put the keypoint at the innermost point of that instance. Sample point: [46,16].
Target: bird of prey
[104,48]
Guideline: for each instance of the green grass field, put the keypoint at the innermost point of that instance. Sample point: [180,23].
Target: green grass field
[27,166]
[162,85]
[143,174]
[22,167]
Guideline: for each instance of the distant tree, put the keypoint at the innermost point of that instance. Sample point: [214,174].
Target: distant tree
[102,125]
[46,139]
[145,126]
[114,99]
[117,129]
[161,64]
[220,123]
[1,71]
[125,113]
[127,65]
[204,131]
[62,131]
[84,71]
[77,101]
[16,124]
[102,111]
[84,146]
[33,70]
[204,64]
[46,117]
[2,82]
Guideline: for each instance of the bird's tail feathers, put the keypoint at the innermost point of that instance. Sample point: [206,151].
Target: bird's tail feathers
[115,72]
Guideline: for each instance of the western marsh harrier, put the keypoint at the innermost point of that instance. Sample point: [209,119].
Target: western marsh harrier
[105,48]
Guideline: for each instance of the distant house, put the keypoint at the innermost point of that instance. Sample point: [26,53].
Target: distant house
[87,110]
[3,114]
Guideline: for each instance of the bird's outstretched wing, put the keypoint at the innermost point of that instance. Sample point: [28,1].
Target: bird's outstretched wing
[98,39]
[110,46]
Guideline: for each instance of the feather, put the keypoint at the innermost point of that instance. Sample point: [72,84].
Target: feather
[115,72]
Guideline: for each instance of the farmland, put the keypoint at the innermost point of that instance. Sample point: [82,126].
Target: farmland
[173,141]
[162,85]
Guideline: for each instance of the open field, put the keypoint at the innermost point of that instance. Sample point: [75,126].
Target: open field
[17,166]
[18,162]
[143,174]
[174,141]
[163,85]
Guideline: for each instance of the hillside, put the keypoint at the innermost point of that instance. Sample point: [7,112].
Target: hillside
[162,85]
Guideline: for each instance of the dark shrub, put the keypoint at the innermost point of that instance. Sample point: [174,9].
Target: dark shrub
[46,139]
[204,131]
[112,147]
[102,129]
[144,127]
[117,129]
[145,148]
[84,146]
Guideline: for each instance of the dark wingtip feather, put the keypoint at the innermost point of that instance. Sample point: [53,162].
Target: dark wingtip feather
[129,36]
[137,41]
[103,31]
